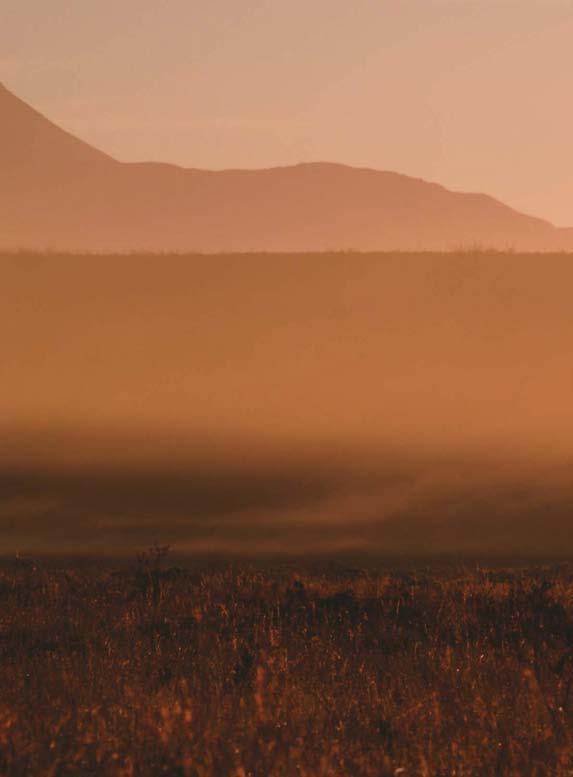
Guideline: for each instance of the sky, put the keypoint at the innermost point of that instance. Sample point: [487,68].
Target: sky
[474,94]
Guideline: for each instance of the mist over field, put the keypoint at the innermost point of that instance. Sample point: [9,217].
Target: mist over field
[286,425]
[257,403]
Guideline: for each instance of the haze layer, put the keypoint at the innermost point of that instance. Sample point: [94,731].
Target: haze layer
[287,402]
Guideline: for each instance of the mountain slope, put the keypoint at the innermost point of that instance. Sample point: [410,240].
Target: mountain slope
[60,193]
[33,146]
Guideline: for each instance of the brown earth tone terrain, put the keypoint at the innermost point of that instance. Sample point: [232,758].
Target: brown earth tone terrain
[255,671]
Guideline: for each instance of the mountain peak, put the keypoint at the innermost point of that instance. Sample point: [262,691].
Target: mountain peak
[57,191]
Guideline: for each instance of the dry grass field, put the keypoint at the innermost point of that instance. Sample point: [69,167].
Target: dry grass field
[254,670]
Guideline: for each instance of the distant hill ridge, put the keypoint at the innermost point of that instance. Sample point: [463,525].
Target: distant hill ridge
[57,192]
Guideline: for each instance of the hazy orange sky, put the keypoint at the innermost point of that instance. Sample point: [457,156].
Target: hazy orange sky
[475,94]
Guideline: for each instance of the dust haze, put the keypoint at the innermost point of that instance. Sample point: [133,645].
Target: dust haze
[286,403]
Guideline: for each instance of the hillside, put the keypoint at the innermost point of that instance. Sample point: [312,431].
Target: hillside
[60,193]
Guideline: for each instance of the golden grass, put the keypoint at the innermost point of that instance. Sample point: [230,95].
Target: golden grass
[239,671]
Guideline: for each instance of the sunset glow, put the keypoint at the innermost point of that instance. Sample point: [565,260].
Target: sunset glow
[286,383]
[473,94]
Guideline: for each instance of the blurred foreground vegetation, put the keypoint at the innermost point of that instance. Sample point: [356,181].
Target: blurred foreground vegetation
[237,670]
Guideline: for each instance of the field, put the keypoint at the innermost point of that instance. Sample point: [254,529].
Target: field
[237,669]
[315,406]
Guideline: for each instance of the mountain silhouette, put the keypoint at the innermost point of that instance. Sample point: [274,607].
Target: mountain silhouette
[57,192]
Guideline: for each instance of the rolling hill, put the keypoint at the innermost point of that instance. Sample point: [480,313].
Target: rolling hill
[57,192]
